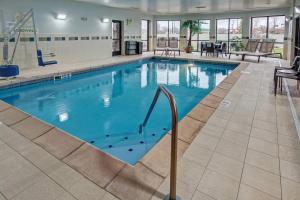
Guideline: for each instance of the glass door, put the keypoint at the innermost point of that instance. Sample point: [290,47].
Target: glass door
[116,37]
[145,24]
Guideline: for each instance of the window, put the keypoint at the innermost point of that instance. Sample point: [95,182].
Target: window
[229,31]
[272,27]
[204,34]
[145,34]
[168,30]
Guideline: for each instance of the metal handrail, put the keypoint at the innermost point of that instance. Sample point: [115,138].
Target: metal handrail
[174,137]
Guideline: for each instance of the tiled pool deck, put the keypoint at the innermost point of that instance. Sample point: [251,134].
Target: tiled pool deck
[247,149]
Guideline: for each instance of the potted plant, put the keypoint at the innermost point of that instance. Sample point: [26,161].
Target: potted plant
[194,27]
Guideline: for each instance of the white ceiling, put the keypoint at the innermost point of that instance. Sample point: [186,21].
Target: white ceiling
[189,6]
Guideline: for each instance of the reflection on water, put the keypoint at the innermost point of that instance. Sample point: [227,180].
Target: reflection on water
[106,107]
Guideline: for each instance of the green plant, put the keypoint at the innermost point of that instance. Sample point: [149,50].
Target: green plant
[194,27]
[237,44]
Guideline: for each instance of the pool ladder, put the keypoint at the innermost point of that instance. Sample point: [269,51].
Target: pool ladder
[174,139]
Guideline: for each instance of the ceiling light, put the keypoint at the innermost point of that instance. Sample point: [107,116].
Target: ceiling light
[104,20]
[297,10]
[61,16]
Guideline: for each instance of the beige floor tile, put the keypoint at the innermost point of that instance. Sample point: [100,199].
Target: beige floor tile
[12,116]
[44,189]
[16,175]
[289,141]
[201,113]
[217,122]
[94,164]
[263,161]
[222,114]
[109,196]
[231,150]
[136,182]
[2,197]
[4,106]
[265,125]
[235,137]
[242,119]
[263,146]
[290,190]
[198,154]
[264,135]
[289,154]
[189,172]
[218,186]
[66,196]
[85,189]
[265,116]
[288,130]
[262,180]
[184,191]
[58,143]
[238,127]
[31,128]
[211,101]
[226,166]
[188,128]
[201,196]
[159,157]
[248,193]
[212,130]
[290,170]
[206,141]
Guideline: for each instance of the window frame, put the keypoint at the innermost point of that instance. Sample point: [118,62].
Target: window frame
[197,40]
[168,39]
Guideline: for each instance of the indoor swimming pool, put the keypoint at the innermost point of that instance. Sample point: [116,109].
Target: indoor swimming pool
[105,107]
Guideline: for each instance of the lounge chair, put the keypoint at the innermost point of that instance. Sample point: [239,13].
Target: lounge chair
[161,45]
[173,46]
[250,48]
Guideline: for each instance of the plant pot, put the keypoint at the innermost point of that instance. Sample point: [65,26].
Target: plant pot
[189,49]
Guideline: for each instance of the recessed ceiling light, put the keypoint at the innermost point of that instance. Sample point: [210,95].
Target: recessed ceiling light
[61,16]
[200,7]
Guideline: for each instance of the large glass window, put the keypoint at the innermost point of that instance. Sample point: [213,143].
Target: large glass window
[203,35]
[229,31]
[170,30]
[145,34]
[272,27]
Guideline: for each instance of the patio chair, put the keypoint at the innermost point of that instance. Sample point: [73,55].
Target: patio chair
[286,72]
[208,48]
[173,46]
[251,47]
[221,49]
[161,44]
[291,70]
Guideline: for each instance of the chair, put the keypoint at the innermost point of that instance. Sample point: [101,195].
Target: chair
[292,69]
[208,47]
[43,63]
[221,48]
[289,73]
[251,47]
[161,44]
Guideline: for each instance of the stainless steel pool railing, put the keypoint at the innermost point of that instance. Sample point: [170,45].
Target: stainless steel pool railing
[174,137]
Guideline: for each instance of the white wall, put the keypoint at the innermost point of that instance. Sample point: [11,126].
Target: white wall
[70,51]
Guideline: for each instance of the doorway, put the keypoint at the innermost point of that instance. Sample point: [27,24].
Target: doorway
[116,37]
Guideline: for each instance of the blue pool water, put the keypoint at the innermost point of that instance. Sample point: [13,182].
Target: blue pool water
[106,107]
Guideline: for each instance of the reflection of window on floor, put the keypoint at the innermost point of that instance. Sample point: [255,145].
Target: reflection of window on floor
[272,27]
